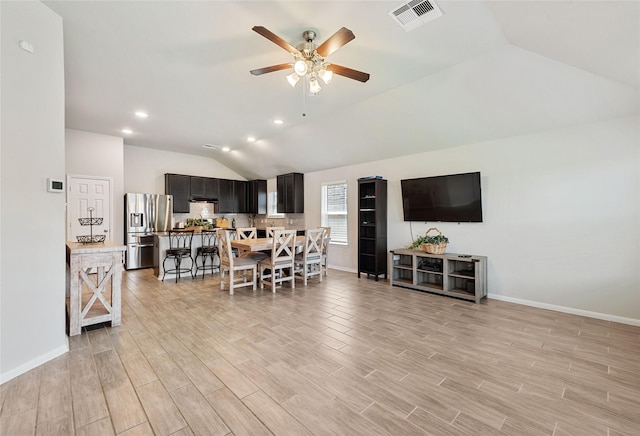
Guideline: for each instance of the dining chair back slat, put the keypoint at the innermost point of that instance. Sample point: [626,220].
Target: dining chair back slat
[271,230]
[246,233]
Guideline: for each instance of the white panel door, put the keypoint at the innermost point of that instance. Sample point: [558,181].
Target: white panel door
[84,193]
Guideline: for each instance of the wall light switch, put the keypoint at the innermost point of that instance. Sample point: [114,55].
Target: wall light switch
[26,46]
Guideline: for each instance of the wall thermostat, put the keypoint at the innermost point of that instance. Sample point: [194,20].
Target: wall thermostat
[55,185]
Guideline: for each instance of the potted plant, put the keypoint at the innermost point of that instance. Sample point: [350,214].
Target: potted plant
[197,224]
[434,244]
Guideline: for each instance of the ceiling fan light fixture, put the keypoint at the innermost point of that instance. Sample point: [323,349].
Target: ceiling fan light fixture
[314,86]
[309,59]
[325,75]
[300,67]
[293,79]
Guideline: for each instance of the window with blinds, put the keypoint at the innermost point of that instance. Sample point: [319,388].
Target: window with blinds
[334,210]
[272,205]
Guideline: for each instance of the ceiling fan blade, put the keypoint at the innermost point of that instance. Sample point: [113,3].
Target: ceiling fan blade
[335,41]
[275,39]
[348,72]
[270,69]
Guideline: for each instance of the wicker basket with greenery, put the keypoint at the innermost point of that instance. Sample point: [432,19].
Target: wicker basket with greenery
[436,244]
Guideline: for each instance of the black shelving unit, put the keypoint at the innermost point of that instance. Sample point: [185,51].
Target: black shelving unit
[372,227]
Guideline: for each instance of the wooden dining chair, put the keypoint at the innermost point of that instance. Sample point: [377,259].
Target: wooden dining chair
[281,259]
[271,230]
[246,233]
[309,262]
[250,233]
[325,248]
[232,264]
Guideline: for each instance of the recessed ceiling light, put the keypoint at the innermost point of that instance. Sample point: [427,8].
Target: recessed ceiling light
[127,131]
[141,114]
[225,149]
[278,121]
[251,139]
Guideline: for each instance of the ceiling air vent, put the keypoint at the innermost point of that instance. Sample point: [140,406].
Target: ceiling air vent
[415,13]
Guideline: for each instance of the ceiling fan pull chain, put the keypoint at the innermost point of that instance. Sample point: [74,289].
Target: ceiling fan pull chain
[304,98]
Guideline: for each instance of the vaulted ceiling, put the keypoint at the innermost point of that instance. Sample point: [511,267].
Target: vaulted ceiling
[484,70]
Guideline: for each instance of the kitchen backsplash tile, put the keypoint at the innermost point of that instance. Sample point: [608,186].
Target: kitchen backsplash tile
[206,210]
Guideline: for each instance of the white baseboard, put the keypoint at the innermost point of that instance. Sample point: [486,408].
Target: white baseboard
[571,310]
[28,366]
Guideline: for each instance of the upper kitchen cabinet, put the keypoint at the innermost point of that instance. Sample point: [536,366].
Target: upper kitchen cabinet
[290,189]
[257,197]
[233,196]
[204,188]
[179,186]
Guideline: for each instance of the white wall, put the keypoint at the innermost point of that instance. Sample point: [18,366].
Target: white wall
[32,232]
[144,168]
[561,215]
[92,154]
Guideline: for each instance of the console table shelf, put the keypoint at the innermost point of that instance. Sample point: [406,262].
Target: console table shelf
[447,274]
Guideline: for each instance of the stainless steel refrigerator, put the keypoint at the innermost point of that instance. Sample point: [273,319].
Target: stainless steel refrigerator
[144,214]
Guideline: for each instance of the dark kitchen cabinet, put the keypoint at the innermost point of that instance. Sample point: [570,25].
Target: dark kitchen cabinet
[372,227]
[204,188]
[179,186]
[290,188]
[257,197]
[240,191]
[233,196]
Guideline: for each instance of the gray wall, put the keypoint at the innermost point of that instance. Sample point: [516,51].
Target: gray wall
[32,220]
[95,155]
[561,215]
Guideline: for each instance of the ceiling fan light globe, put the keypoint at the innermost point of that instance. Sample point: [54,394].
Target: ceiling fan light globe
[314,86]
[293,79]
[325,75]
[300,67]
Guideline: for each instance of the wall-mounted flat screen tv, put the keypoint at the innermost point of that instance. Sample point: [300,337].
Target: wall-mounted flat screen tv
[451,198]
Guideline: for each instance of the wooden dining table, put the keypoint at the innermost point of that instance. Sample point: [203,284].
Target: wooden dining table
[260,244]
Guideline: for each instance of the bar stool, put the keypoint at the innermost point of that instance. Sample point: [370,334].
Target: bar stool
[179,249]
[209,249]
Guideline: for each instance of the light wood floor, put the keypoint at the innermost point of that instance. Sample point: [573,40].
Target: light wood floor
[348,356]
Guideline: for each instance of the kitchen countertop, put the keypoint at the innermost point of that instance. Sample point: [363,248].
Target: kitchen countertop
[167,233]
[264,229]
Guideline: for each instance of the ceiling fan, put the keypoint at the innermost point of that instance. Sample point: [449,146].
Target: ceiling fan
[310,60]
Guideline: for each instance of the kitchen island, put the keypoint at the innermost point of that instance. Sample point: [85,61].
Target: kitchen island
[160,247]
